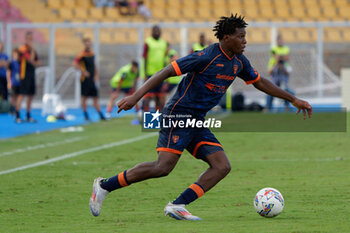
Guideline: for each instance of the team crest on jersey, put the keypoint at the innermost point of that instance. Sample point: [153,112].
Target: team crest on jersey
[175,138]
[235,68]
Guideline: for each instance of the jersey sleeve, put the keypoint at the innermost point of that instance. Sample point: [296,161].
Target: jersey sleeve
[248,73]
[194,62]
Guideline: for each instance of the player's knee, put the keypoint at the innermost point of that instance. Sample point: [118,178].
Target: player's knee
[162,170]
[224,169]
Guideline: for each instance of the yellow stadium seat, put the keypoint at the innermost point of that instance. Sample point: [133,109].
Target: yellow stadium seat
[311,4]
[159,13]
[174,14]
[69,3]
[204,14]
[54,3]
[296,3]
[171,35]
[267,13]
[221,11]
[264,3]
[326,4]
[344,12]
[252,14]
[282,13]
[84,3]
[204,4]
[66,13]
[188,13]
[288,34]
[303,35]
[189,4]
[279,4]
[81,13]
[314,13]
[159,4]
[174,4]
[298,12]
[331,14]
[258,35]
[341,3]
[232,4]
[96,13]
[346,34]
[112,14]
[250,4]
[332,35]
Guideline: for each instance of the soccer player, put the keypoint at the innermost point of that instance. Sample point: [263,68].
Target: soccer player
[29,60]
[154,54]
[209,73]
[202,44]
[13,76]
[125,80]
[279,68]
[85,62]
[4,82]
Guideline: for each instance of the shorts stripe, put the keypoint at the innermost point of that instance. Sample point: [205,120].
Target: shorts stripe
[204,143]
[169,150]
[197,189]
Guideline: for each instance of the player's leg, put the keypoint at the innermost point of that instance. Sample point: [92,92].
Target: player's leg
[219,167]
[97,107]
[29,107]
[111,101]
[84,107]
[159,168]
[18,107]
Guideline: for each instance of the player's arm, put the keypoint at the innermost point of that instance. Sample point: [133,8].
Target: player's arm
[8,77]
[96,77]
[129,101]
[269,88]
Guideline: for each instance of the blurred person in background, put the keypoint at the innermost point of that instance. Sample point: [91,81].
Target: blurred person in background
[85,62]
[154,54]
[279,69]
[29,60]
[4,82]
[200,45]
[125,81]
[143,10]
[13,76]
[171,83]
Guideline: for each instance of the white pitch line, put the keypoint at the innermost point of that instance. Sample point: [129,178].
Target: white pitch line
[74,154]
[41,146]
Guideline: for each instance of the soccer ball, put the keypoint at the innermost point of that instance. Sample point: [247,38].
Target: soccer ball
[269,202]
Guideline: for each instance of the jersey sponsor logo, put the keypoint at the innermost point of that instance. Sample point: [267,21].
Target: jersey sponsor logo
[226,77]
[216,88]
[175,138]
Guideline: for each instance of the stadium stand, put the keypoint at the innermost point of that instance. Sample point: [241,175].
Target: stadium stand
[189,11]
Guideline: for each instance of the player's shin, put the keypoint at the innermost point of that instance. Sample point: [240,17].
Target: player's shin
[192,193]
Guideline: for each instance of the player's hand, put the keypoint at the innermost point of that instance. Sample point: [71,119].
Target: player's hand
[86,73]
[126,103]
[304,106]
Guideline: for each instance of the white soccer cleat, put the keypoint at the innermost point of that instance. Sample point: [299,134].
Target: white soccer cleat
[179,212]
[97,197]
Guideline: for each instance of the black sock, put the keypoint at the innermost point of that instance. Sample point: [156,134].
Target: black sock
[17,114]
[189,195]
[115,182]
[86,115]
[28,115]
[101,115]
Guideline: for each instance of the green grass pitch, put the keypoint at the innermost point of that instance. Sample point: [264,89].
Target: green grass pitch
[310,169]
